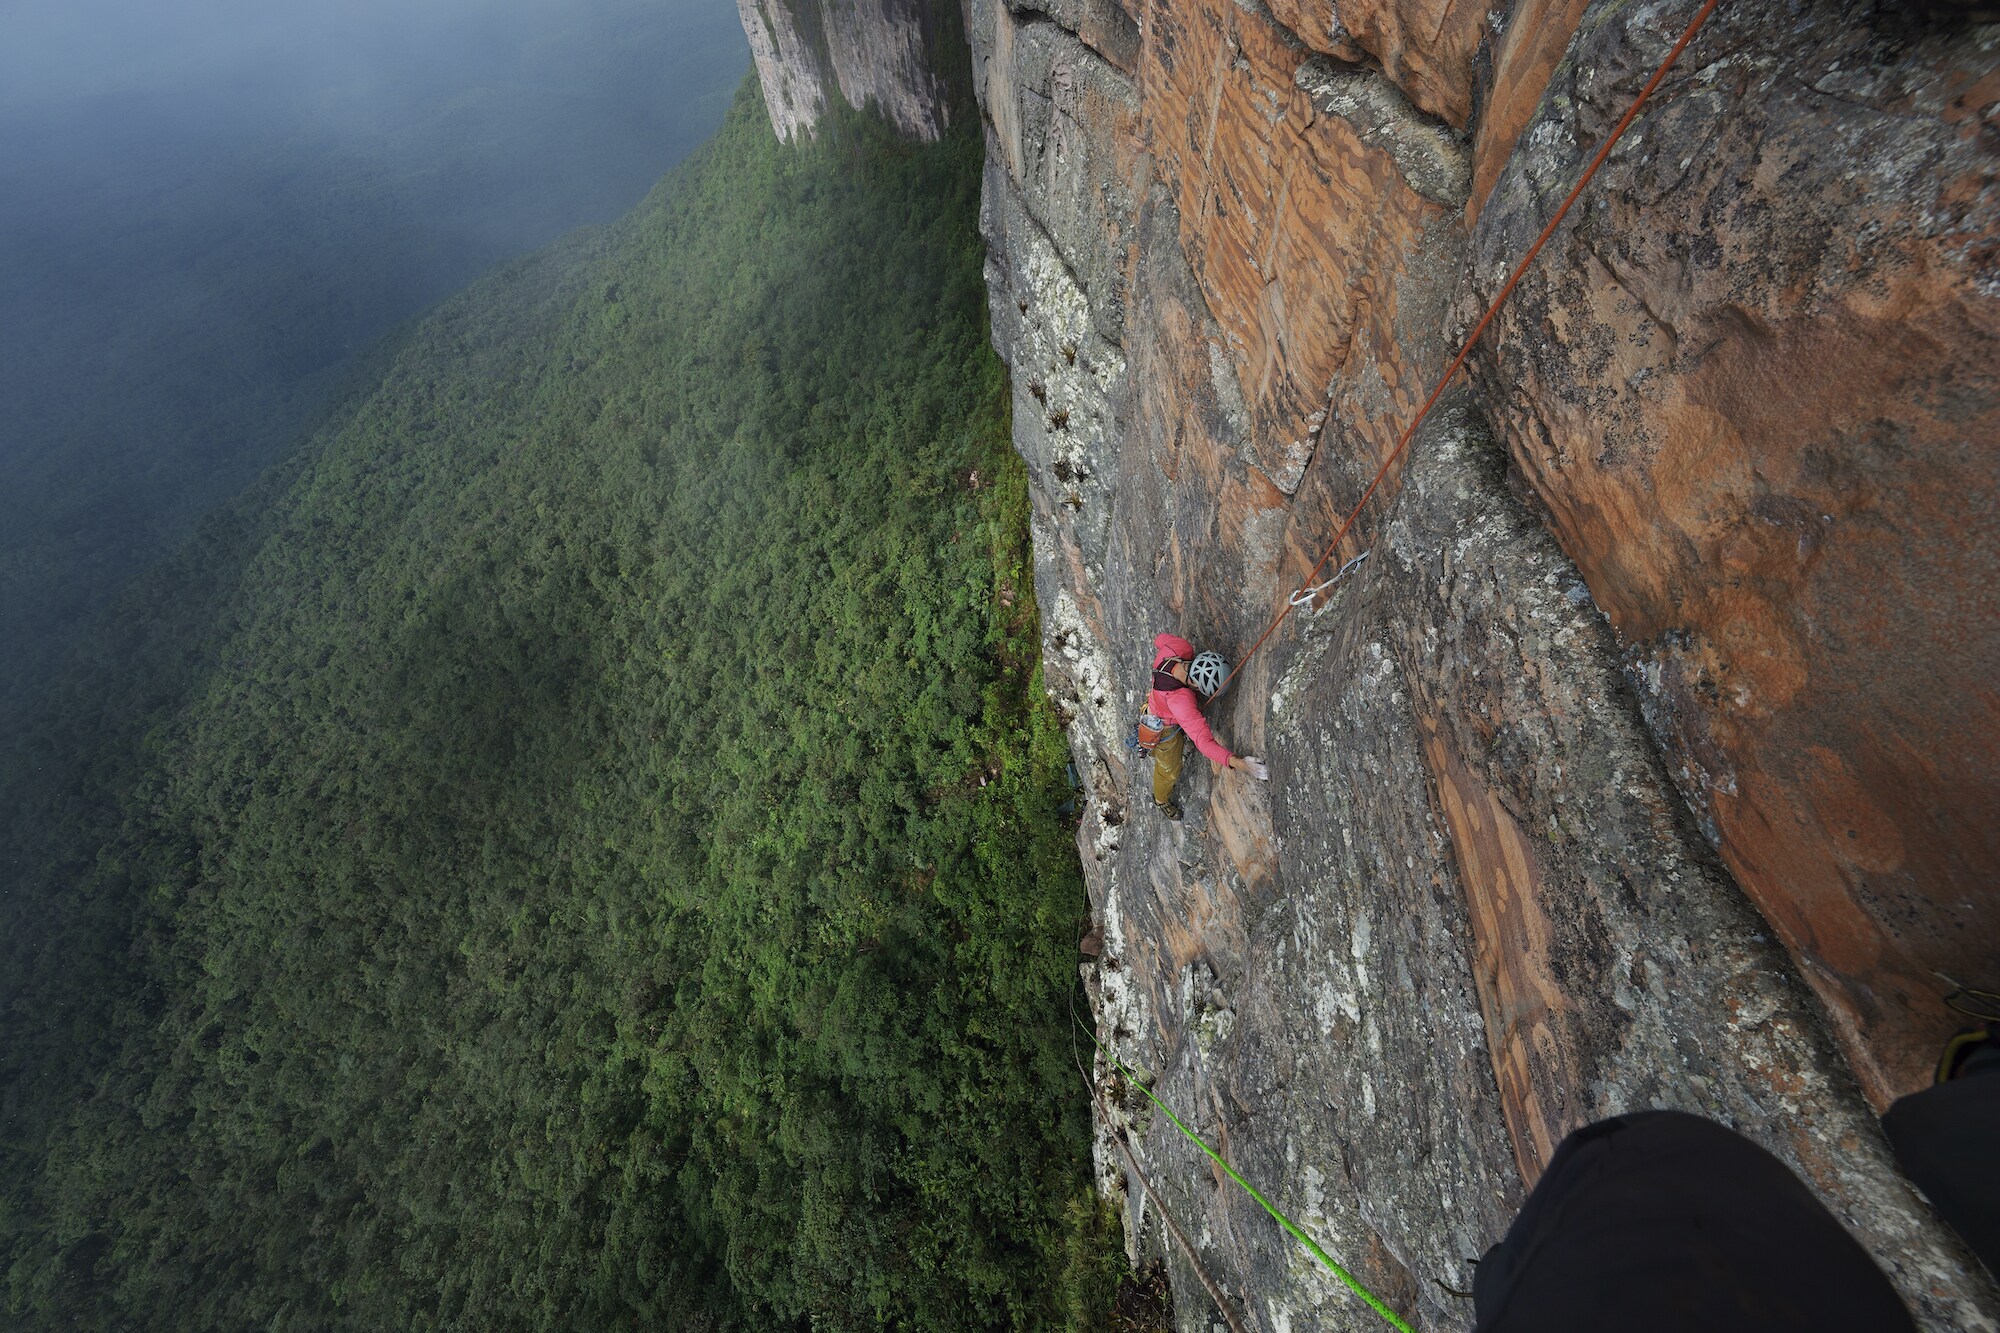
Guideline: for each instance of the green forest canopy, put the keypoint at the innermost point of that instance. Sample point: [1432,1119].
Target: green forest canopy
[576,846]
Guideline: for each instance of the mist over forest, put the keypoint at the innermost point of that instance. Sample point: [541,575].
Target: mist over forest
[210,210]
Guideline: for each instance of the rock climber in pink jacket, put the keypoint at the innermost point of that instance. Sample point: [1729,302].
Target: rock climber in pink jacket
[1181,683]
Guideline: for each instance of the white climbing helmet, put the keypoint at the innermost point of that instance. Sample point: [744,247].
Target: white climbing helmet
[1207,672]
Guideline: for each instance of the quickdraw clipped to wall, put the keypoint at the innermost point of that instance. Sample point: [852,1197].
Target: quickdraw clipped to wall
[1303,597]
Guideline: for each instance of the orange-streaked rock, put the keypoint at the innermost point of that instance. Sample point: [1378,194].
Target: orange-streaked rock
[1301,196]
[1520,989]
[1470,911]
[1538,32]
[1757,389]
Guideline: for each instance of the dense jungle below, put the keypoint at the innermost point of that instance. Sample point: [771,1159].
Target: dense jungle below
[577,844]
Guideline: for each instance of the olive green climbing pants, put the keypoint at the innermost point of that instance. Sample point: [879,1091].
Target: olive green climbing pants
[1167,767]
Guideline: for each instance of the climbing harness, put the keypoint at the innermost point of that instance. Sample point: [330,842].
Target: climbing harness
[1151,728]
[1305,595]
[1374,1302]
[1308,591]
[1604,151]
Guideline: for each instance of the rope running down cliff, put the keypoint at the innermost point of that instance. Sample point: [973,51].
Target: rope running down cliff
[1472,340]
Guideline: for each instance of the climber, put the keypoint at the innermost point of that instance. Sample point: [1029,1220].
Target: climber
[1182,681]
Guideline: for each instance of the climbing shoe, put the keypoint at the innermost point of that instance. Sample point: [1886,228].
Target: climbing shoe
[1171,810]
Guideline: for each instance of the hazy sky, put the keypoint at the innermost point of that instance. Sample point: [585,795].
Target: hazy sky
[62,48]
[138,137]
[206,206]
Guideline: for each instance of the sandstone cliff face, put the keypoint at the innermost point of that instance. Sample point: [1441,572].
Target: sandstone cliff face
[1649,757]
[1765,429]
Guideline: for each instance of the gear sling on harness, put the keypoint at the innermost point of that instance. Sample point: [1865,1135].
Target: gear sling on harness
[1152,728]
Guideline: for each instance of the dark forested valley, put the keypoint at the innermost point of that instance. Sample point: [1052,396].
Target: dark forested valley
[576,845]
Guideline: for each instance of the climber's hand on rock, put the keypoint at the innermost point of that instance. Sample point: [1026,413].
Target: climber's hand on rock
[1256,768]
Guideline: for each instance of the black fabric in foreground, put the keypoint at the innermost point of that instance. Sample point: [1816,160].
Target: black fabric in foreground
[1947,1139]
[1665,1221]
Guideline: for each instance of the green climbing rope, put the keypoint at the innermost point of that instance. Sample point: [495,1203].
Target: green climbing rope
[1353,1284]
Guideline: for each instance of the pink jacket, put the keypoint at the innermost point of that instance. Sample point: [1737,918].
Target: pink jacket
[1182,707]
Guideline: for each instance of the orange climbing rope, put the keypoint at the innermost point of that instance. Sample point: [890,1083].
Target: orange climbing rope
[1603,152]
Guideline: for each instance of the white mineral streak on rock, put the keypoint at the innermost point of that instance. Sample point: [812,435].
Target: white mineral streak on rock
[1214,1027]
[788,67]
[1229,392]
[876,52]
[1122,1010]
[1079,369]
[1430,157]
[1097,725]
[1123,1022]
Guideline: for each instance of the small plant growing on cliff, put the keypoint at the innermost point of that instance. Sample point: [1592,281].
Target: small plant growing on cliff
[1040,392]
[1100,1292]
[1069,353]
[1060,418]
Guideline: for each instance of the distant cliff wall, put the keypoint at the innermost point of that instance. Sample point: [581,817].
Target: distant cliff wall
[894,55]
[1652,756]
